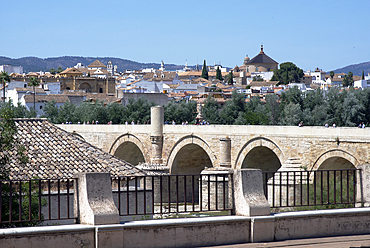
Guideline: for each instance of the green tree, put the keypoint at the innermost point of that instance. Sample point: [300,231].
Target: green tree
[233,108]
[288,73]
[331,74]
[53,71]
[204,71]
[51,111]
[348,79]
[4,78]
[230,77]
[273,109]
[257,78]
[180,112]
[218,74]
[34,82]
[292,115]
[210,111]
[59,70]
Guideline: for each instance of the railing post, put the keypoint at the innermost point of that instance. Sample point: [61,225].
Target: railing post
[363,185]
[93,199]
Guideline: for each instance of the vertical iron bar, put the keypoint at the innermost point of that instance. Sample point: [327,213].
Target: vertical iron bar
[20,201]
[328,186]
[127,195]
[67,198]
[280,193]
[335,188]
[160,194]
[294,189]
[273,189]
[177,193]
[152,194]
[301,190]
[265,184]
[322,187]
[314,188]
[169,193]
[29,200]
[209,192]
[192,191]
[216,182]
[341,186]
[287,188]
[347,186]
[49,199]
[136,212]
[201,192]
[58,199]
[119,195]
[354,187]
[40,195]
[223,191]
[10,201]
[144,185]
[185,193]
[308,188]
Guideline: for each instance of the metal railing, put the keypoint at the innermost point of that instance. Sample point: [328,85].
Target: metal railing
[166,194]
[34,201]
[311,188]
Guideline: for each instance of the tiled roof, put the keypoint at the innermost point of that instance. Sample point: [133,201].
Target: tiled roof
[97,64]
[262,58]
[55,153]
[106,98]
[47,98]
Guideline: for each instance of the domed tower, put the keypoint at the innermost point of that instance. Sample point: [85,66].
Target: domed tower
[246,60]
[110,67]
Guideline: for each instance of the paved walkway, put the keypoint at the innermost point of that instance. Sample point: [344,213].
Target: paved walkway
[356,241]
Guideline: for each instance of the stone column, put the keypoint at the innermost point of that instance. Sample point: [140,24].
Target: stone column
[93,199]
[225,152]
[156,137]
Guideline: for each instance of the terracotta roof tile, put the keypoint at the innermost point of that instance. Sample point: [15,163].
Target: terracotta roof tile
[55,153]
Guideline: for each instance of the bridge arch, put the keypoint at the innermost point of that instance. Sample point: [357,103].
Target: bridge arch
[335,159]
[129,148]
[179,159]
[261,153]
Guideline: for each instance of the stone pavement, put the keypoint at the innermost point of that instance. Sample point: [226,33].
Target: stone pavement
[354,241]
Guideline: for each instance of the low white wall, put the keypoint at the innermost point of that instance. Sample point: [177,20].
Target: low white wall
[195,231]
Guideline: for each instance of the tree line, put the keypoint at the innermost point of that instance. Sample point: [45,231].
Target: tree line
[314,108]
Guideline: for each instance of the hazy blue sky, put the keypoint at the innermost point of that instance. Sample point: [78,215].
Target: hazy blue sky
[324,34]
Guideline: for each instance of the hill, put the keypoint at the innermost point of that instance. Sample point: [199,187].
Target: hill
[37,64]
[355,69]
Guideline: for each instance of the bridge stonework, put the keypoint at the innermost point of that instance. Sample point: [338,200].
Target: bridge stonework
[188,149]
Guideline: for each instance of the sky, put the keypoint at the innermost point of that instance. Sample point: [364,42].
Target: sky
[324,34]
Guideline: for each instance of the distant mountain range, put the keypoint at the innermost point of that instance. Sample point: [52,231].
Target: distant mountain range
[37,64]
[355,69]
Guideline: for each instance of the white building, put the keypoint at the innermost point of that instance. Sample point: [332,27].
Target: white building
[362,83]
[11,69]
[318,76]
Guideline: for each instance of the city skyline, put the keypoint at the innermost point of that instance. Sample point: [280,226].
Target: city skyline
[311,34]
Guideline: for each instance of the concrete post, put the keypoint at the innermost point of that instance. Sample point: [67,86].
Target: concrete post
[249,198]
[93,199]
[156,137]
[225,152]
[363,185]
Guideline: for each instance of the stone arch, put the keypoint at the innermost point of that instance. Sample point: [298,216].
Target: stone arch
[129,148]
[335,159]
[260,153]
[179,160]
[85,86]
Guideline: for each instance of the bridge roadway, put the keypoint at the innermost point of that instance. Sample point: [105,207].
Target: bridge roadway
[187,149]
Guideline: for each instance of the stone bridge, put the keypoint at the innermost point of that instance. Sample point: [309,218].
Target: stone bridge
[188,149]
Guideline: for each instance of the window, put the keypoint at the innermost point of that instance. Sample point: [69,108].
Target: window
[40,107]
[100,90]
[256,69]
